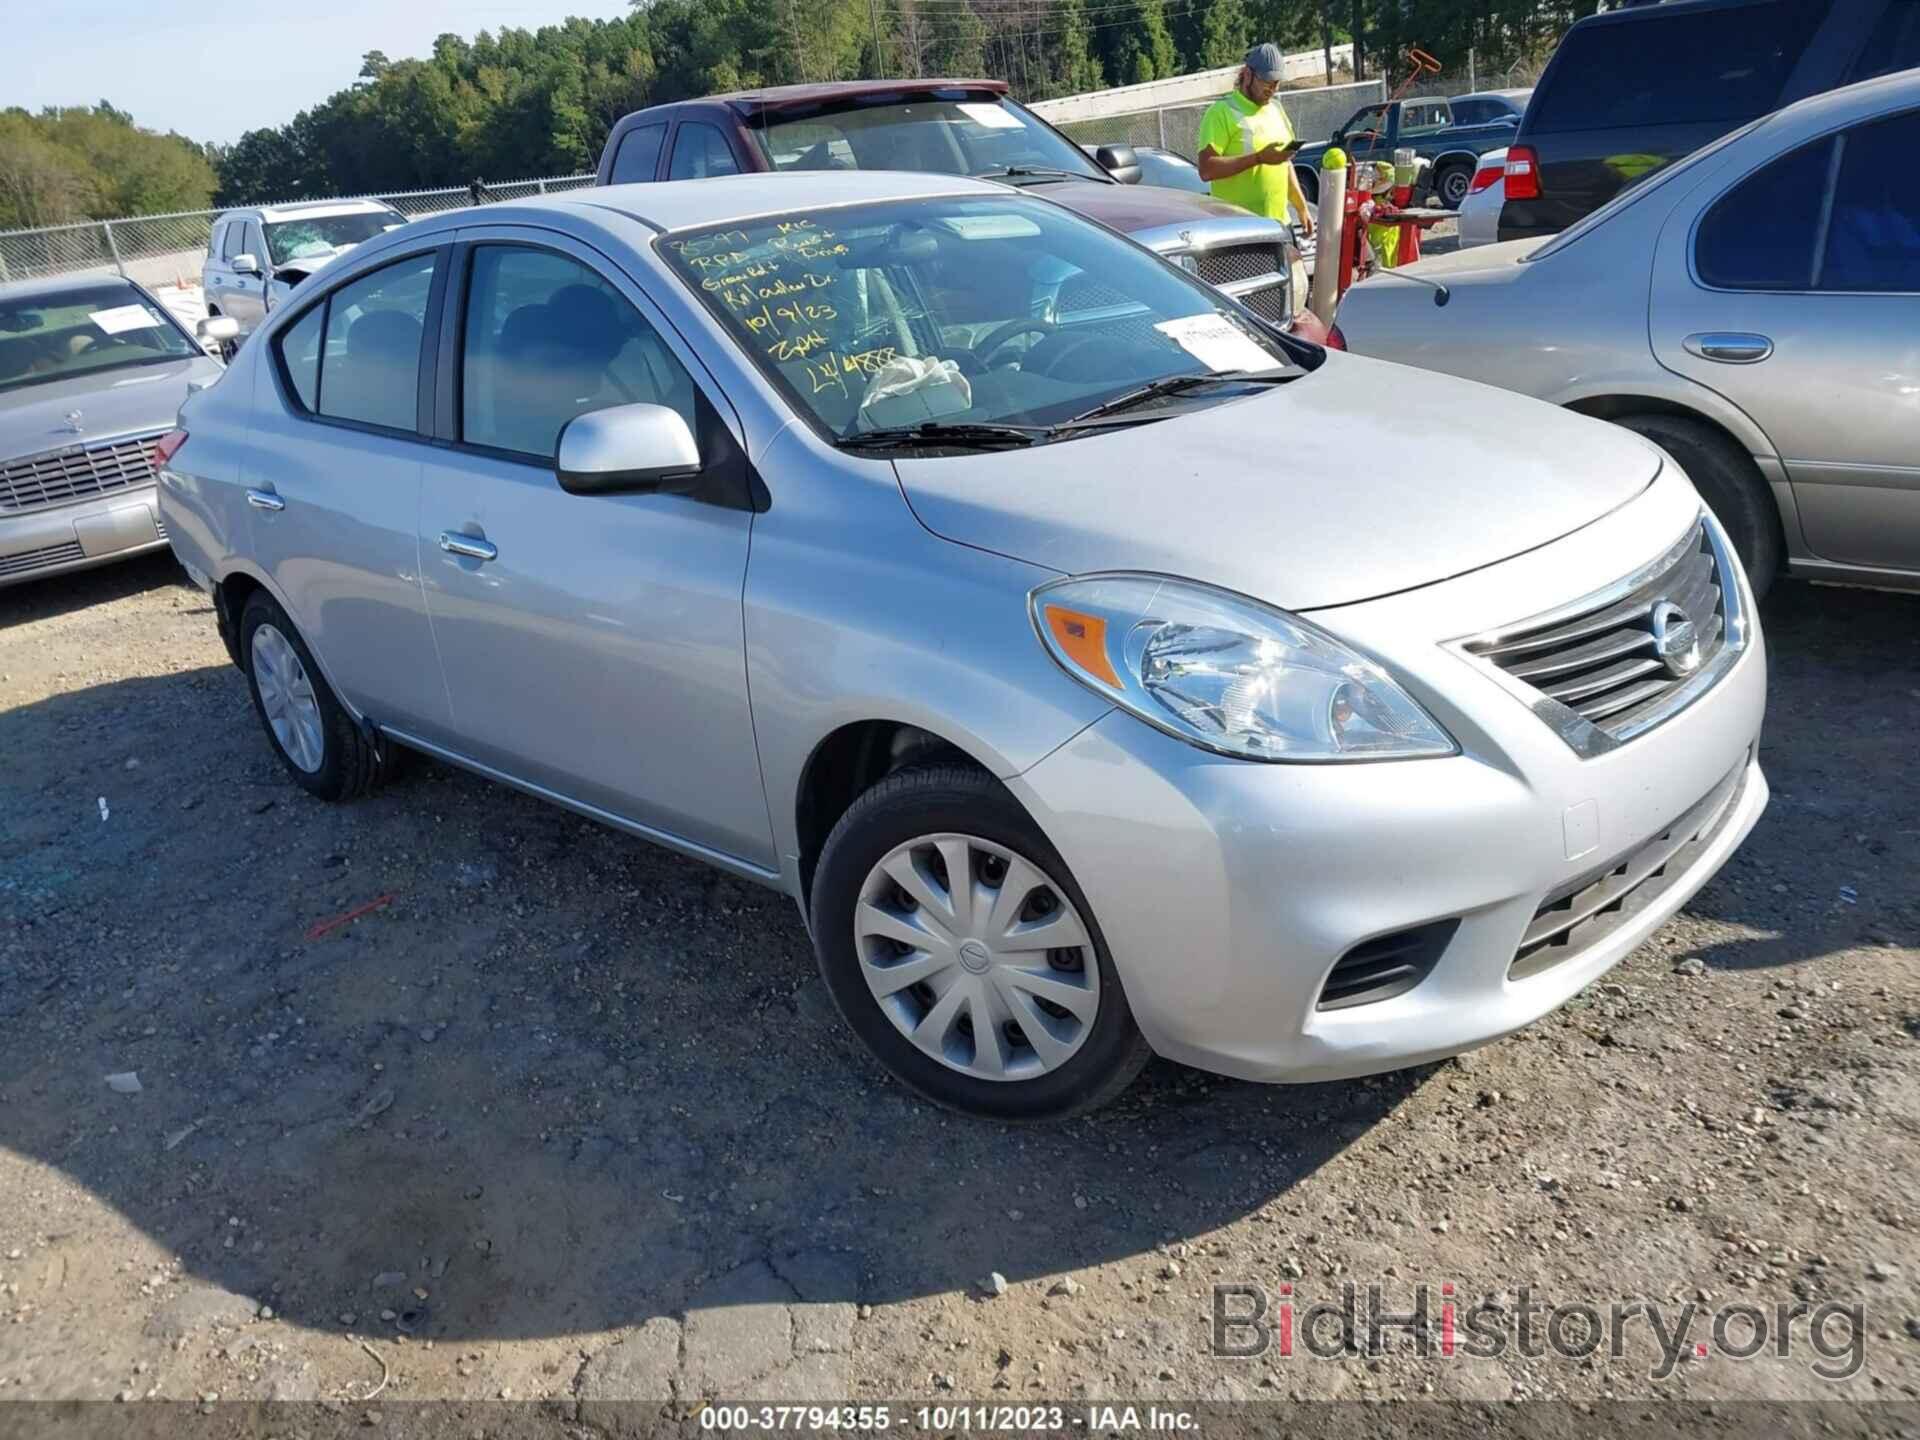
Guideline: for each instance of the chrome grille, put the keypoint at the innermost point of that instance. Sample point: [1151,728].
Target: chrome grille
[24,561]
[1579,916]
[1596,666]
[1239,262]
[76,473]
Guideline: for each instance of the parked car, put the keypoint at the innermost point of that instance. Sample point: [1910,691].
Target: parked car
[1632,90]
[92,372]
[257,255]
[1479,222]
[1433,129]
[1076,726]
[1762,299]
[956,127]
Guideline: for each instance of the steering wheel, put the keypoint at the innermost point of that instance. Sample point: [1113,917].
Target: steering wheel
[997,338]
[1067,348]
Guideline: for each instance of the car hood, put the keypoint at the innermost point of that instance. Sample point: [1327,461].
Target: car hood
[1133,208]
[138,399]
[1315,493]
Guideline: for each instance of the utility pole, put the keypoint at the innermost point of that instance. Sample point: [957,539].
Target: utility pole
[879,55]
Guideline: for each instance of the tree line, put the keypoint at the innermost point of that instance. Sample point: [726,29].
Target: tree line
[517,103]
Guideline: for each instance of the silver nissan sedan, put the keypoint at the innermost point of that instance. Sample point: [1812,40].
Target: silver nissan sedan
[1043,622]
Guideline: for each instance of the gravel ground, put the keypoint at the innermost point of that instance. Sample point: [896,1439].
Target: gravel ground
[566,1117]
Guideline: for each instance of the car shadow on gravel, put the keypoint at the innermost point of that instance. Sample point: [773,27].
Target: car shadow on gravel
[550,1079]
[83,589]
[463,1057]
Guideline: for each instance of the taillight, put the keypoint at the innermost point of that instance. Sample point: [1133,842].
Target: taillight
[167,446]
[1486,177]
[1335,340]
[1523,173]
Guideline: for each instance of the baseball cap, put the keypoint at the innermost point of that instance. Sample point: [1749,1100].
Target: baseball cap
[1265,61]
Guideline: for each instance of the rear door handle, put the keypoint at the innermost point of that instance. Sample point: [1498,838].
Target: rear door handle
[469,545]
[1734,348]
[265,500]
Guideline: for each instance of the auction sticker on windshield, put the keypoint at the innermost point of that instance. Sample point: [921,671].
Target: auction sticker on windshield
[123,318]
[1216,342]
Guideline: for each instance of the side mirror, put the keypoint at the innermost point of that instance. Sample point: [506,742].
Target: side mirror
[215,329]
[1120,162]
[244,265]
[628,449]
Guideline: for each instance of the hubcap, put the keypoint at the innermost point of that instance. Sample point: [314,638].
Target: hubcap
[977,957]
[286,695]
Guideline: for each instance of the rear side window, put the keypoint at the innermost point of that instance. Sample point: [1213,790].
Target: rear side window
[357,356]
[638,157]
[1713,66]
[700,151]
[1761,234]
[213,240]
[1873,232]
[300,351]
[1894,45]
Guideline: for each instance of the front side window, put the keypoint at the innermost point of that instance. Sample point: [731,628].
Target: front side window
[969,135]
[360,360]
[254,245]
[236,237]
[548,339]
[638,157]
[84,329]
[998,311]
[700,151]
[317,236]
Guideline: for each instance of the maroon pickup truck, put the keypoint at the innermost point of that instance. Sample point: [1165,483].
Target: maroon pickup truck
[961,127]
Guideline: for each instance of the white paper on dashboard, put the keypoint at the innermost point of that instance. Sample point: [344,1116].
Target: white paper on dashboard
[991,116]
[124,317]
[1217,343]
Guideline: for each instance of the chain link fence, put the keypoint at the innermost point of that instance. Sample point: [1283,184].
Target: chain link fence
[1314,113]
[167,249]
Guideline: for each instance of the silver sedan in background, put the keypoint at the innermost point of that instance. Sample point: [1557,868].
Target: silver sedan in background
[821,527]
[1754,309]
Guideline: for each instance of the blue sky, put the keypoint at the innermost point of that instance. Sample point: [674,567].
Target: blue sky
[214,68]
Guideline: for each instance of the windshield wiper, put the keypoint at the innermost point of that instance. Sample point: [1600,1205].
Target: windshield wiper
[1029,172]
[1175,385]
[932,434]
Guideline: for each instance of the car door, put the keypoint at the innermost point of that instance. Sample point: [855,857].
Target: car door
[1794,291]
[218,278]
[592,644]
[246,293]
[333,486]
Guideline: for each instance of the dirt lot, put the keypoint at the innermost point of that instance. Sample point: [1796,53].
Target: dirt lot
[568,1117]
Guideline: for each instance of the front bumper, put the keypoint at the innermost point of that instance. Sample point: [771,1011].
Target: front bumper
[1227,891]
[38,543]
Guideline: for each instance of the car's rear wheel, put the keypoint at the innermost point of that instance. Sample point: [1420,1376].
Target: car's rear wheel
[323,749]
[1451,185]
[1730,483]
[958,947]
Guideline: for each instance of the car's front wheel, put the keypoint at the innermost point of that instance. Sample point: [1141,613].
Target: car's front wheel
[960,949]
[1451,186]
[323,749]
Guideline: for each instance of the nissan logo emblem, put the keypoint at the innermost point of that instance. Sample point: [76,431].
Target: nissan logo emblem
[1676,639]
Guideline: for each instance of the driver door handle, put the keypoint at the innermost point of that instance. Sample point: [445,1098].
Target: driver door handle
[265,500]
[469,545]
[1736,348]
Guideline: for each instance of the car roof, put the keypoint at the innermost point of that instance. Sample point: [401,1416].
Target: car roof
[722,200]
[786,97]
[304,209]
[1514,95]
[53,284]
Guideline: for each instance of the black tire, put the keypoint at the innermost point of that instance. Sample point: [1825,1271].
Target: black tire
[1730,483]
[349,765]
[1450,185]
[960,798]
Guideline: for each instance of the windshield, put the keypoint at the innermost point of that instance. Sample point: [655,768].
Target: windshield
[956,134]
[961,311]
[290,240]
[64,333]
[1633,194]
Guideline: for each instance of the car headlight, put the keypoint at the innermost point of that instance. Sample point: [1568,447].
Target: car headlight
[1229,674]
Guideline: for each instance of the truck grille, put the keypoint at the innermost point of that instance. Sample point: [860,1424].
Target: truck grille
[1601,661]
[1239,262]
[74,474]
[1579,916]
